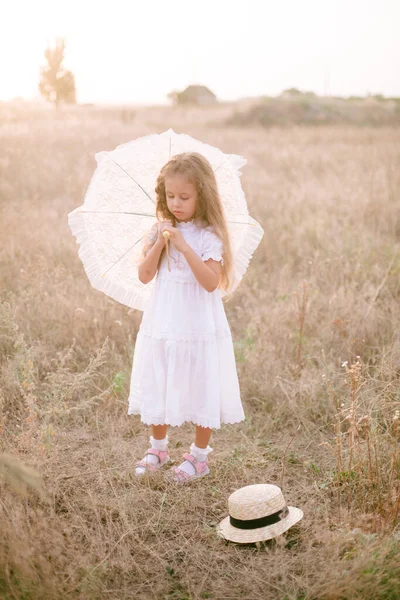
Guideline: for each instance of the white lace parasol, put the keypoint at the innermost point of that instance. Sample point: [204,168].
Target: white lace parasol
[120,204]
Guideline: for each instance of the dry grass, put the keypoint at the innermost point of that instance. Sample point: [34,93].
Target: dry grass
[323,289]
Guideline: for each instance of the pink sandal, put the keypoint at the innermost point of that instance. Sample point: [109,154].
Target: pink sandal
[162,456]
[177,475]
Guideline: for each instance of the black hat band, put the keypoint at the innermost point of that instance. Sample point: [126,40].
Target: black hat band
[261,522]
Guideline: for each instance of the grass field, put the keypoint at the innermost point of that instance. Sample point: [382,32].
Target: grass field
[315,327]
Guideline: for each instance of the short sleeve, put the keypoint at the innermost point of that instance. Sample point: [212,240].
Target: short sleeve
[212,246]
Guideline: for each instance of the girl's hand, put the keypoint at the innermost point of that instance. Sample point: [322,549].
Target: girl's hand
[160,238]
[176,238]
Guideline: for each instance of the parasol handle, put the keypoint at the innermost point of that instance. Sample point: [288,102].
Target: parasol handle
[167,236]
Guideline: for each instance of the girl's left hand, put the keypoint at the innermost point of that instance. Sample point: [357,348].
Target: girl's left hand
[176,238]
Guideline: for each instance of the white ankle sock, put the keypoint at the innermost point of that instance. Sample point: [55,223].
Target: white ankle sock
[199,453]
[150,458]
[159,444]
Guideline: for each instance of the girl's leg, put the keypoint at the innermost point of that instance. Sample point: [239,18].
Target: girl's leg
[200,449]
[158,441]
[203,435]
[159,431]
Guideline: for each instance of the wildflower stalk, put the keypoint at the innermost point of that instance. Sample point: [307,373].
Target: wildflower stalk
[339,461]
[370,469]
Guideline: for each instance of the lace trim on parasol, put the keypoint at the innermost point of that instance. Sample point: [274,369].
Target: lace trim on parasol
[241,260]
[136,298]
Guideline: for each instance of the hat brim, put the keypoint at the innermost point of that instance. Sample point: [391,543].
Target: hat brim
[247,536]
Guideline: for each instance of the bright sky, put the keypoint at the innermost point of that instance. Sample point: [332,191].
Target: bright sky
[132,51]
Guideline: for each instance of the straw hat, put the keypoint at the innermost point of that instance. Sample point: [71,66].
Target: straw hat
[257,512]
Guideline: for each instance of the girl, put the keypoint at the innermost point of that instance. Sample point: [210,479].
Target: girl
[184,364]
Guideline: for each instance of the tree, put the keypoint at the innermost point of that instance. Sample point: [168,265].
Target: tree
[57,84]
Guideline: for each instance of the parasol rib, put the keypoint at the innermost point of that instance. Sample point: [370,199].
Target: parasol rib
[118,212]
[138,184]
[121,257]
[225,161]
[115,212]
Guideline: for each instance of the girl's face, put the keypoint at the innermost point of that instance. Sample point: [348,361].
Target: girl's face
[181,197]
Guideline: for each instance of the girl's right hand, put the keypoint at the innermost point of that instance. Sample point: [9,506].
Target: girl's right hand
[160,238]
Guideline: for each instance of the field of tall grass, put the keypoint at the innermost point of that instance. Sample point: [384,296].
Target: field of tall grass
[315,324]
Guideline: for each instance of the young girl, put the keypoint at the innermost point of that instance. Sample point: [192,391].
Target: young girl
[184,364]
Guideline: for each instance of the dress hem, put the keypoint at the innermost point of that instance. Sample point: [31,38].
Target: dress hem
[195,420]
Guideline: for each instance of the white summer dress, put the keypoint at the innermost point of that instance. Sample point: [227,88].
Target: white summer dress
[184,365]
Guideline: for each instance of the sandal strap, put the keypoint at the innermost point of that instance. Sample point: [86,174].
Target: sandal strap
[144,463]
[148,466]
[180,473]
[190,458]
[155,452]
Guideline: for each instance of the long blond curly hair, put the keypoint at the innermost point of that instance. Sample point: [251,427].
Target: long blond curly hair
[209,207]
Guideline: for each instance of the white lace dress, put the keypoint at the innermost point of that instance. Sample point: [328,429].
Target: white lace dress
[184,364]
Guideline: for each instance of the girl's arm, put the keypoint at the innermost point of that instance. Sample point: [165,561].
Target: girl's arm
[149,265]
[206,272]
